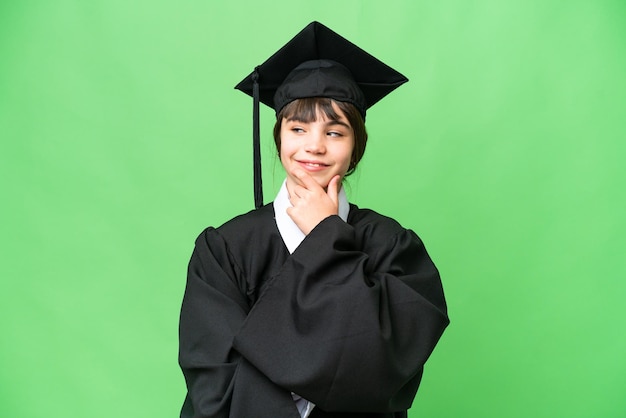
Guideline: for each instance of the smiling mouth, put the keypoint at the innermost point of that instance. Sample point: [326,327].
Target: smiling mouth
[312,164]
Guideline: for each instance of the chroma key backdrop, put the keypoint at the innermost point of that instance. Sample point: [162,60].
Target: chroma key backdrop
[122,137]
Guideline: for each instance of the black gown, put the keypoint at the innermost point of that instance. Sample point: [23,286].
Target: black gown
[347,321]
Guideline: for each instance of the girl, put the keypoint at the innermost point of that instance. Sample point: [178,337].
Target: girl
[311,306]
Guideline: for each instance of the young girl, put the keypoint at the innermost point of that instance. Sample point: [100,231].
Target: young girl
[311,306]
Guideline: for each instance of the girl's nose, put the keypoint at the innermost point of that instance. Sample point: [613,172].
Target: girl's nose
[315,143]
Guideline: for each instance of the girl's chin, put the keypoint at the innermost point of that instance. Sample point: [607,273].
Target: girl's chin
[323,182]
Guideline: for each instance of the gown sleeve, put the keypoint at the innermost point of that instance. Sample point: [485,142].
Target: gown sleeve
[347,330]
[220,383]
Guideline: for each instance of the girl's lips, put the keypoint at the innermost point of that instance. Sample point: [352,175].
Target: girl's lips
[312,165]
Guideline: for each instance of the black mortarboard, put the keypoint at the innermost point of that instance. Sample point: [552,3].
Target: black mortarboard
[317,62]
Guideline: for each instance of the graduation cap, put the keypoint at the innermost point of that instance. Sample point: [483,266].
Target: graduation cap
[317,62]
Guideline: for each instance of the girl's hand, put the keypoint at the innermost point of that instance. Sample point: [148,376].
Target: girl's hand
[311,203]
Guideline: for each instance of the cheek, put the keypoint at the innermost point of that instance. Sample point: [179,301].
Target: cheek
[283,160]
[286,143]
[286,151]
[348,154]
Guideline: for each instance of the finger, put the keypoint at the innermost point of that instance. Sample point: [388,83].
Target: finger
[333,189]
[292,192]
[294,199]
[300,191]
[306,180]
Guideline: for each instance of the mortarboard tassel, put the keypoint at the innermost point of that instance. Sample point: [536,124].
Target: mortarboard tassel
[256,141]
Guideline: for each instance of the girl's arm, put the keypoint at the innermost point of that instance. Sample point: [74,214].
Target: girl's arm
[347,330]
[220,383]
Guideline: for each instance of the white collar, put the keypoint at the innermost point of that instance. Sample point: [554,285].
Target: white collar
[289,231]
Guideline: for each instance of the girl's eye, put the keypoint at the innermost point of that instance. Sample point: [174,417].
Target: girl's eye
[334,134]
[297,130]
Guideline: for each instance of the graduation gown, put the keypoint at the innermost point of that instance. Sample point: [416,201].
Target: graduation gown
[347,321]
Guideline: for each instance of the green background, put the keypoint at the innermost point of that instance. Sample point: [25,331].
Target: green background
[122,138]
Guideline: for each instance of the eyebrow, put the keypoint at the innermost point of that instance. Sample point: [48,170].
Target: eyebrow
[331,122]
[338,122]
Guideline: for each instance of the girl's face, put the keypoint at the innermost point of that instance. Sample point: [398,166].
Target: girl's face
[322,148]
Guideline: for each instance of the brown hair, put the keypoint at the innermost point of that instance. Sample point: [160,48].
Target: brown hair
[306,110]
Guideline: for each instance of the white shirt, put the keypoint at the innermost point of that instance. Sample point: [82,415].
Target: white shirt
[292,237]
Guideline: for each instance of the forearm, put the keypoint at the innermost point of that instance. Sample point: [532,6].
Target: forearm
[329,322]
